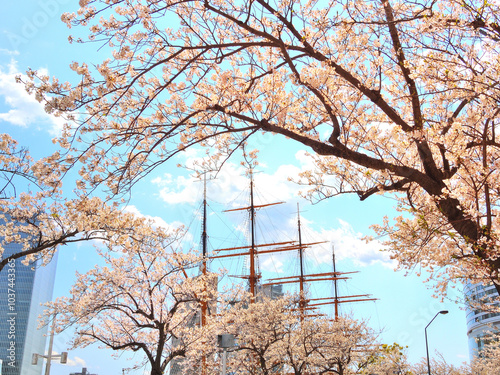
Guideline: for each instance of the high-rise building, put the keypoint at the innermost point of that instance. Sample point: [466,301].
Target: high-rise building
[273,291]
[481,322]
[23,290]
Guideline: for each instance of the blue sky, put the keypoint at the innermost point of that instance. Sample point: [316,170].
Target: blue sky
[32,35]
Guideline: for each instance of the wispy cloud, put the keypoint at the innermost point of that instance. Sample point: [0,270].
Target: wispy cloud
[187,238]
[348,244]
[232,181]
[341,238]
[9,52]
[158,221]
[23,109]
[76,361]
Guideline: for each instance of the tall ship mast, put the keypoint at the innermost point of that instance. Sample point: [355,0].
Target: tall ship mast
[204,270]
[253,250]
[307,306]
[302,279]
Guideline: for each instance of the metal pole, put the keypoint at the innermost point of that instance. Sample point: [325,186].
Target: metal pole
[302,303]
[204,306]
[427,349]
[224,360]
[335,285]
[426,343]
[51,342]
[253,278]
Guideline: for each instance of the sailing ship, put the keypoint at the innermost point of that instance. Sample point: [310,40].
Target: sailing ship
[307,305]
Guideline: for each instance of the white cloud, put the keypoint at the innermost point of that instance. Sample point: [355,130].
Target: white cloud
[231,181]
[9,52]
[180,190]
[187,237]
[23,110]
[227,188]
[272,264]
[348,244]
[159,222]
[76,361]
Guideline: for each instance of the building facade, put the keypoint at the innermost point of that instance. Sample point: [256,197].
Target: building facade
[23,290]
[480,322]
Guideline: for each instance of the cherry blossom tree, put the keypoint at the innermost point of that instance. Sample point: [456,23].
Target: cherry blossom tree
[143,300]
[488,361]
[342,346]
[15,164]
[259,330]
[36,218]
[439,366]
[388,359]
[391,97]
[271,337]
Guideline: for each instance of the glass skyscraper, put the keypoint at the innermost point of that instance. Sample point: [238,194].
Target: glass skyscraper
[23,290]
[481,323]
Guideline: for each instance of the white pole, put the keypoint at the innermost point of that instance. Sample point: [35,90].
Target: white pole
[224,359]
[51,341]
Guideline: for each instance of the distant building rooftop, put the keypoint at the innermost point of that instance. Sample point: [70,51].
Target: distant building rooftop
[84,372]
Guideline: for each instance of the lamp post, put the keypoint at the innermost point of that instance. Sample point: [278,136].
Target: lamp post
[426,344]
[63,357]
[225,342]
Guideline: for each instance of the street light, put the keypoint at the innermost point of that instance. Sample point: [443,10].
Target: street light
[426,344]
[225,342]
[63,357]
